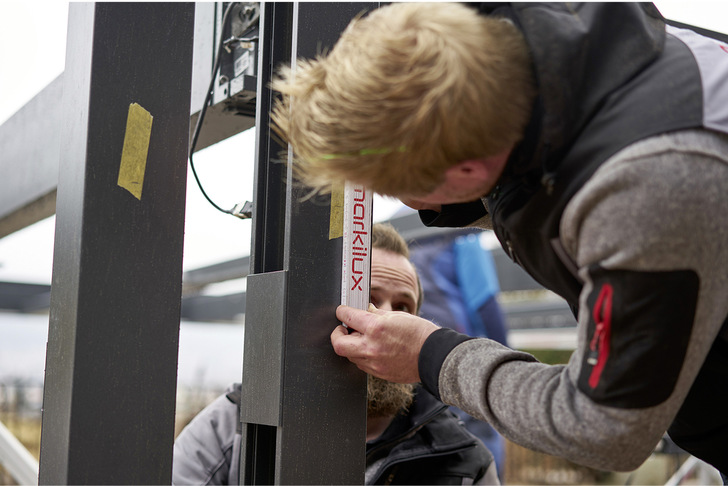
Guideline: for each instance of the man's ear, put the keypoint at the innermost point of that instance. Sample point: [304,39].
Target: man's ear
[486,170]
[476,169]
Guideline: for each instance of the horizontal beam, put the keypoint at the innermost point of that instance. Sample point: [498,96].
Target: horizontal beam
[30,143]
[412,230]
[532,314]
[24,297]
[30,140]
[195,280]
[213,308]
[409,226]
[32,298]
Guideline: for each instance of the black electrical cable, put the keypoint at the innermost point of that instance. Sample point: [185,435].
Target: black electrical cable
[208,99]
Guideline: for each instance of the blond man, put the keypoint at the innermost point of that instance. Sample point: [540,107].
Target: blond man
[593,139]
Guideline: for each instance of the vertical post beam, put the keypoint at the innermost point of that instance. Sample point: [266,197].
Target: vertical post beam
[258,451]
[111,369]
[308,424]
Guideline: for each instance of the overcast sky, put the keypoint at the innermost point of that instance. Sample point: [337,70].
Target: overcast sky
[32,54]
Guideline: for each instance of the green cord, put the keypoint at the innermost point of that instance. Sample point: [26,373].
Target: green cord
[381,151]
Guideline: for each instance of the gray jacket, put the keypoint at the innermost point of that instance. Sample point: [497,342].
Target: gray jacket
[616,200]
[427,445]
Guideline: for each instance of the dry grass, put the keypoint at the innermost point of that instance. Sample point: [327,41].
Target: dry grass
[27,431]
[523,466]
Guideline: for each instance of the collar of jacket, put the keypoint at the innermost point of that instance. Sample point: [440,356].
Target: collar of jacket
[424,410]
[581,53]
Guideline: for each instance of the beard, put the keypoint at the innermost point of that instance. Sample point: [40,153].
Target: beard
[386,399]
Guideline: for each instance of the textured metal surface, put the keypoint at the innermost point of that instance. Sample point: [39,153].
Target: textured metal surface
[269,191]
[111,368]
[323,397]
[259,441]
[263,358]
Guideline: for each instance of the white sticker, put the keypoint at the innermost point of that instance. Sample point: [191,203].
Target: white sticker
[242,63]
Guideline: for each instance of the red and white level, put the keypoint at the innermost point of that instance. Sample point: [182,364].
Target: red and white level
[356,264]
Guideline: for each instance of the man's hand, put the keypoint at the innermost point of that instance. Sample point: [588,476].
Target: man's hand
[383,344]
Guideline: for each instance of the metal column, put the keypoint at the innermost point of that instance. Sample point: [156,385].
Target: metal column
[303,407]
[111,369]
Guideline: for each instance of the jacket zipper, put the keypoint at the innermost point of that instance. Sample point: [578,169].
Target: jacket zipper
[408,433]
[599,346]
[512,253]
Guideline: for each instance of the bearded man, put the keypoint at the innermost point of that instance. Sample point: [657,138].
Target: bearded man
[412,438]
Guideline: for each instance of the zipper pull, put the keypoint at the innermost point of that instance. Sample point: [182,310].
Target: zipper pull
[593,356]
[548,180]
[512,253]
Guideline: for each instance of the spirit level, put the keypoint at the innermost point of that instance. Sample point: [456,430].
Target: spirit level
[356,261]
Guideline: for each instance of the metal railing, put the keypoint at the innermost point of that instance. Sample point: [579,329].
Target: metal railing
[695,468]
[16,459]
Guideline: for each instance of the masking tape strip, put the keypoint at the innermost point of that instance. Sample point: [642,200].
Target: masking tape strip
[136,146]
[336,219]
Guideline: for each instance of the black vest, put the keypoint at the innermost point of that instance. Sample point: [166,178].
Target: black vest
[603,85]
[531,205]
[608,76]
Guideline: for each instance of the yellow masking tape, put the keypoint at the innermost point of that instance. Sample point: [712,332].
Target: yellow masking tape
[336,220]
[134,154]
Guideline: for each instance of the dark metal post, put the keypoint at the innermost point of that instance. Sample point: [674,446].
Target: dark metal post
[303,408]
[111,369]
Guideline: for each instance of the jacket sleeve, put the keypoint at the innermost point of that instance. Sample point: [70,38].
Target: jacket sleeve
[647,234]
[203,450]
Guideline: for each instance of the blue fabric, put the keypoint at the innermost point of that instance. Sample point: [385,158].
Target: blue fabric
[460,285]
[475,270]
[447,295]
[478,282]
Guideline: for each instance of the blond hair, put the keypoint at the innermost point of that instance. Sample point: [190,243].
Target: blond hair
[407,91]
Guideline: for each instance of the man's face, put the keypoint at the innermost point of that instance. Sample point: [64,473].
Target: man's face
[393,283]
[464,182]
[393,288]
[449,192]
